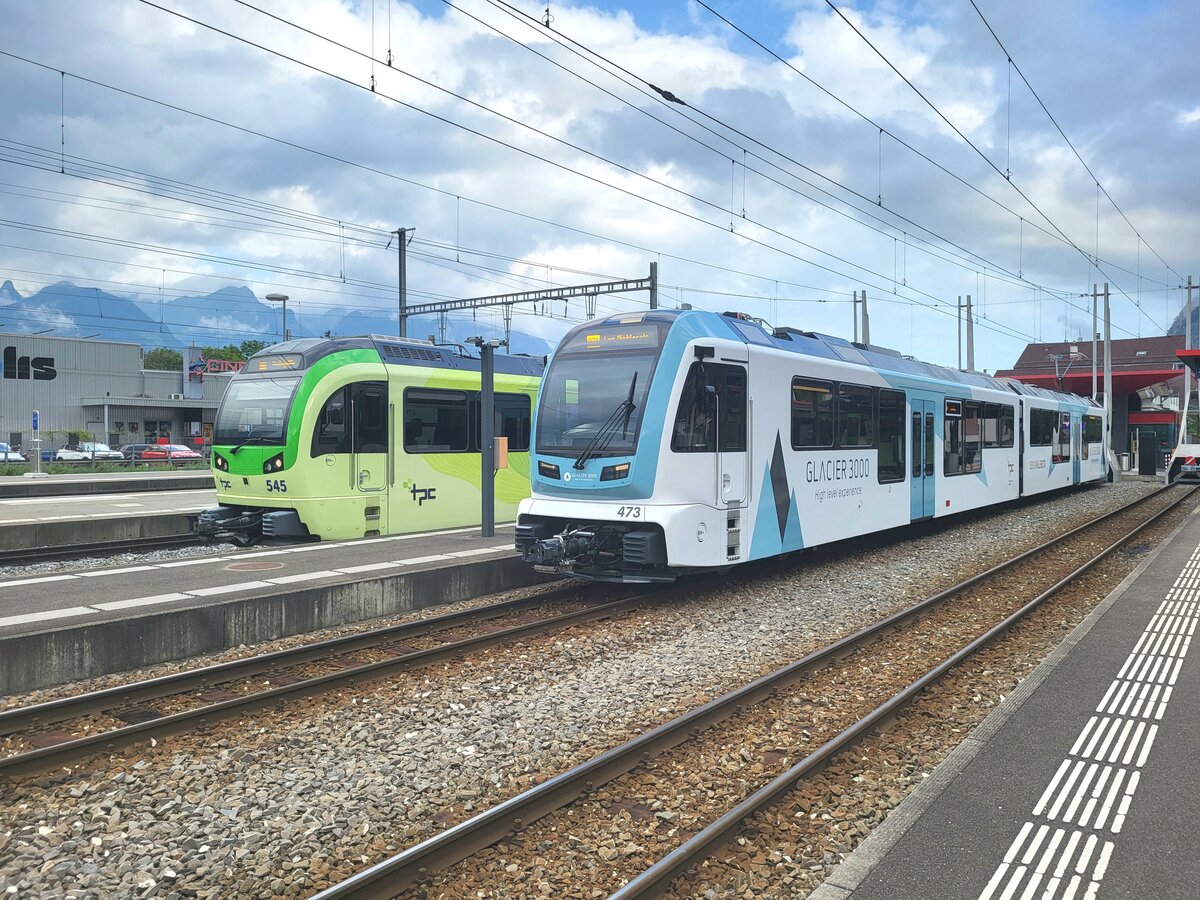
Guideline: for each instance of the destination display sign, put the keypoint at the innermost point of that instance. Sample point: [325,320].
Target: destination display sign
[622,337]
[276,362]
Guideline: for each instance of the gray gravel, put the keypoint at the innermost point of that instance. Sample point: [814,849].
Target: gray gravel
[283,803]
[118,559]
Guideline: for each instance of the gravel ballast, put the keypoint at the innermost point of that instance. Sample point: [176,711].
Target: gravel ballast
[285,803]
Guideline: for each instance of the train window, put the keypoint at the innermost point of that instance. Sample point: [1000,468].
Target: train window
[369,406]
[891,436]
[812,414]
[699,425]
[929,439]
[964,438]
[991,425]
[436,421]
[512,421]
[1093,429]
[1007,425]
[1062,442]
[331,433]
[1041,427]
[855,416]
[916,444]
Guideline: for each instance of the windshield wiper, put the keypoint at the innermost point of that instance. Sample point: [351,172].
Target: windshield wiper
[252,439]
[598,443]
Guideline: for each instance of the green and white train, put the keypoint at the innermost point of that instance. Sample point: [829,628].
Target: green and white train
[331,439]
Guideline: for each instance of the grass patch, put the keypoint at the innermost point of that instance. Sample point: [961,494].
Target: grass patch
[86,468]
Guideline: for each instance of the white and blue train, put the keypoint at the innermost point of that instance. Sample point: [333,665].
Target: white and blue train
[672,442]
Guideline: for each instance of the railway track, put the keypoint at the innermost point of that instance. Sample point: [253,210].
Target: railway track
[30,555]
[579,800]
[225,689]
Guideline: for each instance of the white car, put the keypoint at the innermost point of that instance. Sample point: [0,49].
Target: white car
[8,454]
[88,450]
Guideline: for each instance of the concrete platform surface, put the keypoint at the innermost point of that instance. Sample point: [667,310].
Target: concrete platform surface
[14,486]
[62,508]
[1082,783]
[69,625]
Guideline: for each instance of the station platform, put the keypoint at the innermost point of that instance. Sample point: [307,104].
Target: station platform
[1082,782]
[84,482]
[76,507]
[68,625]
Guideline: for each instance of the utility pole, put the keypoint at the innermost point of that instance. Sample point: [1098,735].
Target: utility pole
[654,285]
[1095,298]
[1108,404]
[402,275]
[854,306]
[970,338]
[866,319]
[1187,345]
[960,332]
[487,431]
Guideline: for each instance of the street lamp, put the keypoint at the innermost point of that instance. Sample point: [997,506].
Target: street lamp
[281,298]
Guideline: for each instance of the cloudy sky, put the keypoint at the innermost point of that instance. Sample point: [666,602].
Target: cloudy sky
[180,147]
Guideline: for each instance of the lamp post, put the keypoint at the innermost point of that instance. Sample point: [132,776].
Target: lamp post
[281,298]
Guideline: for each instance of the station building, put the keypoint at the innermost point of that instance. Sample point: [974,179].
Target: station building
[1147,382]
[100,387]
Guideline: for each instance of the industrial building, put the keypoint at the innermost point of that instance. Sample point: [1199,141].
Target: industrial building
[100,387]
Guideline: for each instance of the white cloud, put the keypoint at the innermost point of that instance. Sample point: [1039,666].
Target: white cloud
[1188,116]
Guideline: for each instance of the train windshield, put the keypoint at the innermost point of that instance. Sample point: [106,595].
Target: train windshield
[255,410]
[594,394]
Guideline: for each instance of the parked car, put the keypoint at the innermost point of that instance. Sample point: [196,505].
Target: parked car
[88,450]
[159,452]
[8,454]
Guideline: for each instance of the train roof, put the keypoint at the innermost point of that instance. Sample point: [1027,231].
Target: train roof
[399,351]
[812,343]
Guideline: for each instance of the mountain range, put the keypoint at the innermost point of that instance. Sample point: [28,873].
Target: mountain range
[229,315]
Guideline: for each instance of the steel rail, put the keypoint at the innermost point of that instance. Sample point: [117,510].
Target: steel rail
[22,555]
[388,877]
[656,881]
[51,711]
[82,748]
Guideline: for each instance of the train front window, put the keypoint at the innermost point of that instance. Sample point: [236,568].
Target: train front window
[255,410]
[593,401]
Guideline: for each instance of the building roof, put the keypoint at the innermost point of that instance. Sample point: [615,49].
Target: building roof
[1136,363]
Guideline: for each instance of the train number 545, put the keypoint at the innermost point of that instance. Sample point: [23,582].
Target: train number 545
[276,485]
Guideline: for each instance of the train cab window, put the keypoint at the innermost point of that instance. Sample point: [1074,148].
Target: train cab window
[855,416]
[370,415]
[891,436]
[1093,429]
[512,421]
[1041,427]
[706,418]
[331,433]
[1062,439]
[436,421]
[812,414]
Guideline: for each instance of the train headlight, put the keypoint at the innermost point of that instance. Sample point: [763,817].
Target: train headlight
[548,470]
[274,464]
[612,473]
[220,462]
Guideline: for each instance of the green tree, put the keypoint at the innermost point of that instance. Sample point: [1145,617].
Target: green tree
[229,352]
[163,359]
[249,348]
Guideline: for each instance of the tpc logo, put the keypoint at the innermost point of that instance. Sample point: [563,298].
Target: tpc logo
[421,494]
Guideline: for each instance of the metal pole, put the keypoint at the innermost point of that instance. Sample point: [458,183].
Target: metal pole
[970,338]
[960,332]
[855,308]
[654,285]
[402,234]
[1095,299]
[866,319]
[285,334]
[1108,404]
[487,427]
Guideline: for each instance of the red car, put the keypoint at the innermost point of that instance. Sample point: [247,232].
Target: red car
[154,452]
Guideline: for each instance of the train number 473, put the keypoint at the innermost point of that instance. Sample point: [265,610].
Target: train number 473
[629,512]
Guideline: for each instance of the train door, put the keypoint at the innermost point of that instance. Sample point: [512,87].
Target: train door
[1077,447]
[729,383]
[923,447]
[370,449]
